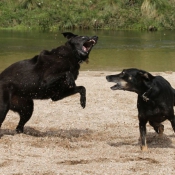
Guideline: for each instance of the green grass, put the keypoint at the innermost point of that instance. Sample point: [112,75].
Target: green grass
[91,14]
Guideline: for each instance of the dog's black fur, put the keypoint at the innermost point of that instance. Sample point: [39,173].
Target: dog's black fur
[51,74]
[155,101]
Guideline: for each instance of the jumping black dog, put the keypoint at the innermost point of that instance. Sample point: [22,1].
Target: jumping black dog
[155,100]
[51,74]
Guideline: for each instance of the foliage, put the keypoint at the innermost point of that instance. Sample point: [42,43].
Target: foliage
[96,14]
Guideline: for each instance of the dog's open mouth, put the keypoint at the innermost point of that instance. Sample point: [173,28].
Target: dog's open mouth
[87,46]
[116,87]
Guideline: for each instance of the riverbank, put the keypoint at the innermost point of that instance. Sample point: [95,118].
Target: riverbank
[62,138]
[79,14]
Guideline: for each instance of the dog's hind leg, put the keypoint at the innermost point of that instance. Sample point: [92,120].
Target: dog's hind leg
[24,107]
[25,114]
[4,105]
[172,120]
[158,127]
[4,108]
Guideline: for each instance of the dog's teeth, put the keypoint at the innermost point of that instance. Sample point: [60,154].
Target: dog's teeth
[93,41]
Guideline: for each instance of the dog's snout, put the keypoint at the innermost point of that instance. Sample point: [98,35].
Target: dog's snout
[95,37]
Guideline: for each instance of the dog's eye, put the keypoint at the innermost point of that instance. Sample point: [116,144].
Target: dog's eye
[130,78]
[123,73]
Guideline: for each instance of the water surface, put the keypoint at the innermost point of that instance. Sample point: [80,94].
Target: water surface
[115,50]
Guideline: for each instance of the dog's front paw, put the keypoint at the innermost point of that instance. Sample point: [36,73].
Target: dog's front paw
[144,148]
[161,130]
[83,101]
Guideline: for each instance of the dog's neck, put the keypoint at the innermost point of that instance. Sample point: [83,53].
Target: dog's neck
[145,95]
[76,54]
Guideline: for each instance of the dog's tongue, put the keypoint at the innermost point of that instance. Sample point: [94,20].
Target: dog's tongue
[85,49]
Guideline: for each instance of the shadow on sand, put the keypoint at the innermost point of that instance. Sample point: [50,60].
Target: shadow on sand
[51,133]
[153,141]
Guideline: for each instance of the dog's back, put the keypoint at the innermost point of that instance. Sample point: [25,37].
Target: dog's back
[161,91]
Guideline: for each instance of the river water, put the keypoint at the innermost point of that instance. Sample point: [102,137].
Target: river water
[115,50]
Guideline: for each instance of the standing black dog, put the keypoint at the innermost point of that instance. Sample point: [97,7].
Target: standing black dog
[51,74]
[155,101]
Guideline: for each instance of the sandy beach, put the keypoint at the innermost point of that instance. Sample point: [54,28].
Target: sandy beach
[62,138]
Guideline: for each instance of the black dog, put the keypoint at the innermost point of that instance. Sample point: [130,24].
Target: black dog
[51,74]
[155,100]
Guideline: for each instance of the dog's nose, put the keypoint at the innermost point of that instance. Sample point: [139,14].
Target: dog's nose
[107,77]
[95,37]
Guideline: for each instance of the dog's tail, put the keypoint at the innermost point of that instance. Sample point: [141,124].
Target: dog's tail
[174,95]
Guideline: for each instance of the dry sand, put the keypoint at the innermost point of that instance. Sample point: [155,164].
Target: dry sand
[61,138]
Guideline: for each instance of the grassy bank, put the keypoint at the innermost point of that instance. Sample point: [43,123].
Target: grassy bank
[91,14]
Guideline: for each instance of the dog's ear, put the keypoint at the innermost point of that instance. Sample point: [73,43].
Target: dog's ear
[68,35]
[146,76]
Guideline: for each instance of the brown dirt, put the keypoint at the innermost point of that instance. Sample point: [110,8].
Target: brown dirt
[62,138]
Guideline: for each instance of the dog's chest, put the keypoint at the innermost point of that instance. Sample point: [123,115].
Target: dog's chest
[153,112]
